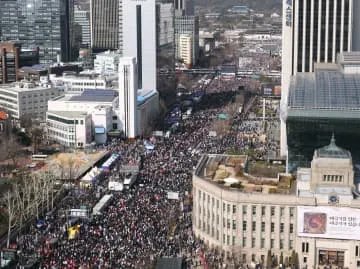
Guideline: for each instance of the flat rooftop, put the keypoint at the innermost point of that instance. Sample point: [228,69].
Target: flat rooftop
[324,95]
[91,96]
[228,171]
[68,114]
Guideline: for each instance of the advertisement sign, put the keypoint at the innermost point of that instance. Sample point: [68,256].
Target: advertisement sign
[173,195]
[329,222]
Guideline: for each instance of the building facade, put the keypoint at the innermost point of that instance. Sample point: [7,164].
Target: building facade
[314,32]
[82,23]
[187,25]
[27,99]
[139,39]
[12,58]
[128,96]
[186,50]
[104,21]
[313,218]
[47,25]
[184,7]
[106,62]
[68,128]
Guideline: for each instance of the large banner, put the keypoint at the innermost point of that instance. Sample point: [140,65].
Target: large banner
[328,222]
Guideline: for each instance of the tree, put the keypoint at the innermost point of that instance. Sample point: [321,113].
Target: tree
[269,260]
[10,150]
[10,204]
[37,137]
[292,258]
[297,262]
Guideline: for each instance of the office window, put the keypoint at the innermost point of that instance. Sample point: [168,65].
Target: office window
[244,209]
[224,207]
[244,225]
[263,210]
[228,240]
[253,226]
[217,219]
[272,243]
[253,209]
[244,258]
[281,243]
[217,204]
[292,211]
[291,244]
[272,227]
[234,224]
[262,243]
[228,208]
[272,210]
[263,226]
[357,251]
[282,209]
[217,234]
[224,238]
[244,242]
[213,201]
[224,222]
[253,242]
[281,227]
[305,247]
[233,240]
[291,228]
[228,224]
[234,209]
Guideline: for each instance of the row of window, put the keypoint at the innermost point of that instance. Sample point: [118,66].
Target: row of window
[332,178]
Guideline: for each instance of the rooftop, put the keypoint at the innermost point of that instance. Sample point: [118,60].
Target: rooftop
[228,171]
[68,114]
[24,86]
[332,151]
[91,96]
[324,94]
[143,95]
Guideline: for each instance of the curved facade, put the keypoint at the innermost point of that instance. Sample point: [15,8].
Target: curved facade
[249,223]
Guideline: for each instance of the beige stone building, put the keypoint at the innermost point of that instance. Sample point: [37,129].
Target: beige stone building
[317,215]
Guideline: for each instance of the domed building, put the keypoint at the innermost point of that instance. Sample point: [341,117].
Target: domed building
[317,215]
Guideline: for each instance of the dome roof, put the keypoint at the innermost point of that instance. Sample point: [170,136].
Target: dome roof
[332,151]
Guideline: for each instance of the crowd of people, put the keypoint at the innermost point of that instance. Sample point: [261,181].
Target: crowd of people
[140,224]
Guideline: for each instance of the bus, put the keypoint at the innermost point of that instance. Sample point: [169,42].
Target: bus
[39,157]
[102,204]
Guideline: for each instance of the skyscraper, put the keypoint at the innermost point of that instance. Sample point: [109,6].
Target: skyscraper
[184,7]
[128,95]
[45,24]
[104,21]
[139,39]
[315,31]
[82,22]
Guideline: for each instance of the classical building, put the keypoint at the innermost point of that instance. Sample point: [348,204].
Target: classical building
[317,215]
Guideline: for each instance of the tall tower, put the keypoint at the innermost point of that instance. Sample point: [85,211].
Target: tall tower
[104,21]
[139,39]
[314,31]
[128,95]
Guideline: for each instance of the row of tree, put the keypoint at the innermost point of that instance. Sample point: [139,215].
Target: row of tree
[29,195]
[292,261]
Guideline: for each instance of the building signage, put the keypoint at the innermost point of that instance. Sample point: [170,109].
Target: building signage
[288,14]
[329,222]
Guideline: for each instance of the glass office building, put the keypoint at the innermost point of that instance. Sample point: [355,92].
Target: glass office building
[44,24]
[320,104]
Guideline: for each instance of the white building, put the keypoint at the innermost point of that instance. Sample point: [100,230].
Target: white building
[128,95]
[102,118]
[185,49]
[86,80]
[317,216]
[147,109]
[139,39]
[27,99]
[106,62]
[69,128]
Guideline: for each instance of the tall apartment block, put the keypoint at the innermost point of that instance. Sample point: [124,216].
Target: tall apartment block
[12,57]
[139,39]
[45,24]
[105,27]
[315,31]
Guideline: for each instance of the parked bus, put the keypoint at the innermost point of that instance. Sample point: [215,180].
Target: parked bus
[102,204]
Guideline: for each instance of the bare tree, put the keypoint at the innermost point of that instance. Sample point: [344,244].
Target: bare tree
[9,201]
[10,150]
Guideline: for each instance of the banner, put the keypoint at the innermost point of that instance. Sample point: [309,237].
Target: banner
[329,222]
[173,195]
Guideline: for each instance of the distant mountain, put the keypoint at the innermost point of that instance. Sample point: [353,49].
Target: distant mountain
[253,4]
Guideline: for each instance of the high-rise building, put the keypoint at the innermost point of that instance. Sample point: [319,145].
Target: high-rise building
[187,25]
[185,49]
[104,21]
[128,95]
[139,39]
[314,32]
[184,7]
[12,58]
[45,24]
[82,22]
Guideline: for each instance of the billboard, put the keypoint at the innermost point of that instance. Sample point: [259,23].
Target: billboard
[328,222]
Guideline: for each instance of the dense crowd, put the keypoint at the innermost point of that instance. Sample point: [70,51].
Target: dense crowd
[140,224]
